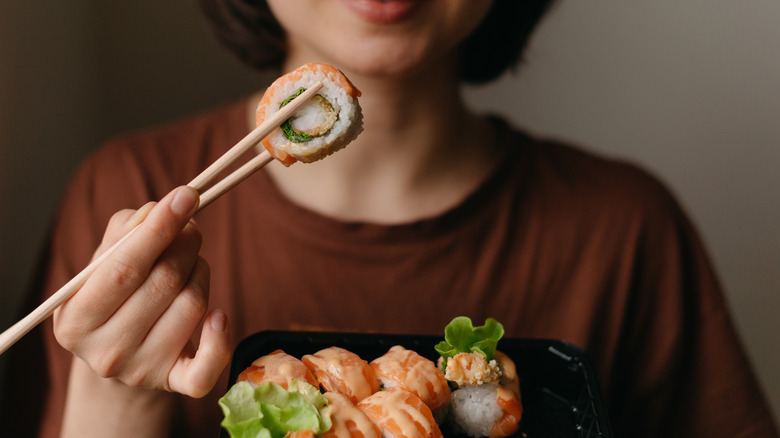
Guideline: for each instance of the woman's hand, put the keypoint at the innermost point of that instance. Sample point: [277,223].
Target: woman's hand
[134,317]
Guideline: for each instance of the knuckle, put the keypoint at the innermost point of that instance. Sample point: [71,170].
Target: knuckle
[114,230]
[117,223]
[108,364]
[123,272]
[166,279]
[136,378]
[67,334]
[195,304]
[197,384]
[162,230]
[199,388]
[118,218]
[69,329]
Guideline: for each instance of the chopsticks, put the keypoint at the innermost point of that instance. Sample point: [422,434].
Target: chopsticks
[207,196]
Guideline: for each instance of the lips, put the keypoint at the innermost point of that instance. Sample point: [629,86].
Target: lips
[383,11]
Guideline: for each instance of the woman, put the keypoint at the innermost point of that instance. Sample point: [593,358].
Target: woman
[431,213]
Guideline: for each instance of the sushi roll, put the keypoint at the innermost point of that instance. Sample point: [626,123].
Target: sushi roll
[471,369]
[347,420]
[407,369]
[486,411]
[343,371]
[326,123]
[485,401]
[277,367]
[400,414]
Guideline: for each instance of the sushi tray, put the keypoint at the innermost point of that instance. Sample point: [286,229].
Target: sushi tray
[560,394]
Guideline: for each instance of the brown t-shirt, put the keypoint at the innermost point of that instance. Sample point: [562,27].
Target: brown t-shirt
[557,243]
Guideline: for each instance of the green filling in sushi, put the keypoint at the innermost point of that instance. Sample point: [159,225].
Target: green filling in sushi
[460,336]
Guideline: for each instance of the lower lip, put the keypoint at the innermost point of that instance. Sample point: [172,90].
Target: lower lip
[383,12]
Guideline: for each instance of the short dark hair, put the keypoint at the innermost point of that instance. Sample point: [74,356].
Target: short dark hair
[251,32]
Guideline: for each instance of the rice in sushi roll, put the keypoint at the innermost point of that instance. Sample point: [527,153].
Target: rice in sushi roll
[486,400]
[326,123]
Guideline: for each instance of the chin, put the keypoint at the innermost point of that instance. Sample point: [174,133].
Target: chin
[386,60]
[382,69]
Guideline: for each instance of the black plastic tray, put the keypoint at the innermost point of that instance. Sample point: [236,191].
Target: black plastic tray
[561,397]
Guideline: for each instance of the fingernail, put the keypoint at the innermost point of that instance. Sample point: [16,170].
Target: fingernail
[218,321]
[185,201]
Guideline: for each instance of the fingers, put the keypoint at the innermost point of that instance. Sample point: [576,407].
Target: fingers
[130,265]
[159,228]
[135,316]
[134,346]
[196,376]
[121,223]
[170,274]
[181,318]
[178,271]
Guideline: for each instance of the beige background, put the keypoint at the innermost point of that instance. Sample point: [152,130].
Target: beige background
[691,90]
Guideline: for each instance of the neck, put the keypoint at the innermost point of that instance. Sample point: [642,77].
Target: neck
[421,152]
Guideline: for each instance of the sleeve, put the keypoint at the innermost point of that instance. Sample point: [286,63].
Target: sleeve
[127,172]
[680,369]
[38,368]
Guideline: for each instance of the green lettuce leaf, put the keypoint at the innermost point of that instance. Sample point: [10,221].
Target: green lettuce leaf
[270,411]
[460,336]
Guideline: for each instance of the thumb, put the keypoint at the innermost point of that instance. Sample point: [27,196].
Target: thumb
[196,376]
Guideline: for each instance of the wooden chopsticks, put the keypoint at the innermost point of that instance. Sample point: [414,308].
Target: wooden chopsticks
[207,196]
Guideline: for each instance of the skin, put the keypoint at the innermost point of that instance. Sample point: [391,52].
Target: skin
[420,154]
[130,325]
[421,151]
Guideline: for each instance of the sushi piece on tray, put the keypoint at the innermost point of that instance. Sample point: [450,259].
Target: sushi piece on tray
[413,396]
[472,391]
[343,371]
[400,414]
[486,397]
[278,367]
[348,421]
[407,369]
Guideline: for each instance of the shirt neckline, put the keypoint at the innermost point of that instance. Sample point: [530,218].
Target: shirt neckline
[319,226]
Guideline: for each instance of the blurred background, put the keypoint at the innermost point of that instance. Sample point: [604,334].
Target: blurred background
[689,90]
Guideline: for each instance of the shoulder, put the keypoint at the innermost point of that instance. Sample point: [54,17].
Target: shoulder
[576,179]
[578,200]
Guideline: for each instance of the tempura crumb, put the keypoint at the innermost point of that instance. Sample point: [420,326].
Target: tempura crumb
[469,369]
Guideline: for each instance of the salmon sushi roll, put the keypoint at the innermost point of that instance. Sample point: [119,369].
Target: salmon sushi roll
[342,371]
[278,367]
[323,125]
[417,374]
[487,400]
[400,414]
[348,421]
